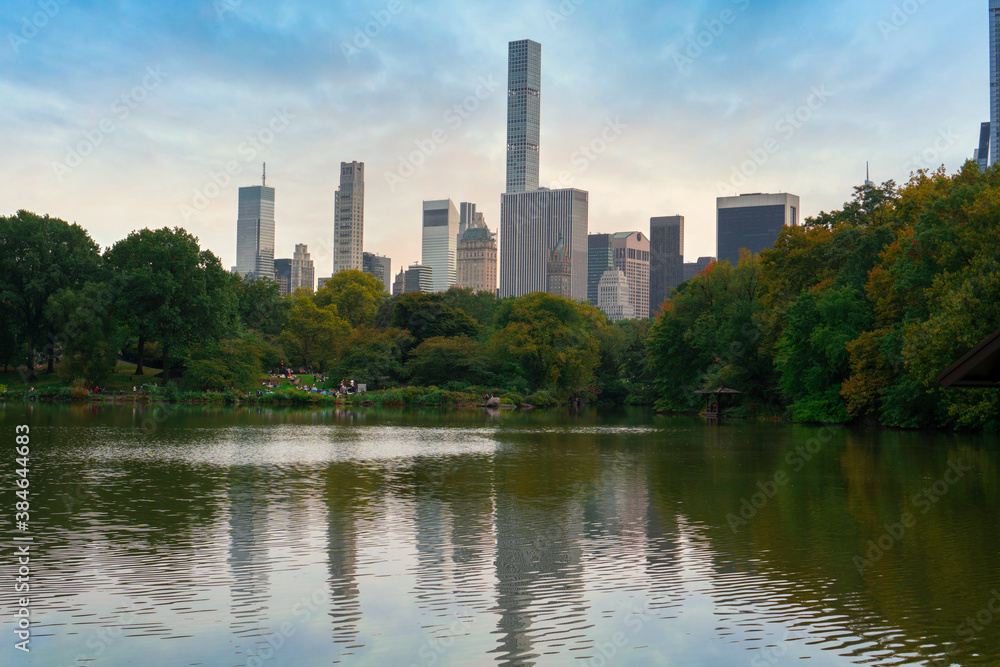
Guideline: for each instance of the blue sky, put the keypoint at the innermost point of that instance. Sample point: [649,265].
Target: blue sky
[655,108]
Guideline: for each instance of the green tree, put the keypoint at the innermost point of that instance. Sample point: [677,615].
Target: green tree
[91,336]
[314,335]
[549,341]
[172,291]
[429,316]
[373,357]
[260,306]
[356,295]
[38,257]
[234,363]
[438,361]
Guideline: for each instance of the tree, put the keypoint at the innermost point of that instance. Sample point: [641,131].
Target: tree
[428,316]
[38,257]
[373,357]
[549,341]
[91,336]
[235,363]
[356,295]
[438,361]
[172,291]
[259,304]
[314,335]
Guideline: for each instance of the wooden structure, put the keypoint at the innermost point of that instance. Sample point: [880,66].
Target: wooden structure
[978,368]
[723,398]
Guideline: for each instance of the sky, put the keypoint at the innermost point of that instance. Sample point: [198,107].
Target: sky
[120,115]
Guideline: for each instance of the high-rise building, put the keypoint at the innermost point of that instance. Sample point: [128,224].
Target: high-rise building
[477,260]
[982,154]
[349,217]
[303,272]
[321,282]
[613,295]
[399,284]
[692,269]
[631,257]
[468,218]
[666,258]
[598,259]
[378,266]
[994,81]
[440,243]
[530,225]
[255,232]
[283,276]
[752,222]
[524,99]
[559,271]
[418,278]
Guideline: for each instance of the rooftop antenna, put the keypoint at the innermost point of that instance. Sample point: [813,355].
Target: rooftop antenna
[264,177]
[868,175]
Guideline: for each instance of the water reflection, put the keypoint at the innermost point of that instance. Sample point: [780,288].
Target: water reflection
[412,537]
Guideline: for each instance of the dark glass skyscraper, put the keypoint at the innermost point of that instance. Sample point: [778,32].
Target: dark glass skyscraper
[524,99]
[752,222]
[599,258]
[666,258]
[994,79]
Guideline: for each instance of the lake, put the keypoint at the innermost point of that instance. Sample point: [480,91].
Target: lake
[218,536]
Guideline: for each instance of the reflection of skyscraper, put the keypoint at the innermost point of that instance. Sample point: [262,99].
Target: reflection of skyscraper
[524,102]
[345,499]
[247,551]
[255,232]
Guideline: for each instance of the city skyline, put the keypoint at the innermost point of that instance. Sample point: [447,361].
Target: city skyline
[135,115]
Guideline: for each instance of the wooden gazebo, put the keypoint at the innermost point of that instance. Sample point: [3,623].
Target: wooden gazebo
[720,394]
[979,368]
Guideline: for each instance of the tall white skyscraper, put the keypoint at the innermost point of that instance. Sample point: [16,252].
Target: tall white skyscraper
[349,218]
[994,80]
[255,232]
[440,243]
[303,273]
[524,102]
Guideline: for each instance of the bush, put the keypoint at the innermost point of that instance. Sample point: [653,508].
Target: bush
[542,399]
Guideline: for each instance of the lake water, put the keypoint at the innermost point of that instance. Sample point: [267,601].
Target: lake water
[232,536]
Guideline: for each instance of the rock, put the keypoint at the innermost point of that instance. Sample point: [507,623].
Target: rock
[493,402]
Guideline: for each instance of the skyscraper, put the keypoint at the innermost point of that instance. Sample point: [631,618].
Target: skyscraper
[753,222]
[524,90]
[303,272]
[982,154]
[994,80]
[440,243]
[418,278]
[666,258]
[598,260]
[530,225]
[468,218]
[613,295]
[631,257]
[692,269]
[283,276]
[349,217]
[378,266]
[477,260]
[559,271]
[255,232]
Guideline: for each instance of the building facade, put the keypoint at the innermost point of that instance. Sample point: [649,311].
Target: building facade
[418,278]
[982,154]
[349,218]
[559,272]
[994,80]
[440,243]
[613,295]
[468,218]
[477,260]
[666,259]
[399,284]
[692,269]
[631,257]
[321,282]
[752,222]
[255,232]
[378,266]
[283,276]
[599,258]
[530,225]
[524,101]
[303,273]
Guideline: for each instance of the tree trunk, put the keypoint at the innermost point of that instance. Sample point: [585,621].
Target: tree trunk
[29,371]
[52,360]
[166,363]
[142,344]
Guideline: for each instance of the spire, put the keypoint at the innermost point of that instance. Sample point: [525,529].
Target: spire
[264,177]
